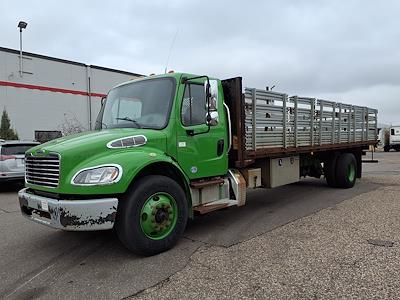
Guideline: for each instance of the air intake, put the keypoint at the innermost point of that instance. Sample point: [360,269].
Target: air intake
[128,142]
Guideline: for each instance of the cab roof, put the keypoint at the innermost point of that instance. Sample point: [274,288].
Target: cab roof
[177,76]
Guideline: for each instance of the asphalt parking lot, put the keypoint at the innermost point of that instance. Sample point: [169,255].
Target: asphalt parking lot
[304,240]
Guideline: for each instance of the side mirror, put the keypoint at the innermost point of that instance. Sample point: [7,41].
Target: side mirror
[212,118]
[99,124]
[211,91]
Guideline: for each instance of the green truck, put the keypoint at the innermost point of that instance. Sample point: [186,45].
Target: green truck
[169,147]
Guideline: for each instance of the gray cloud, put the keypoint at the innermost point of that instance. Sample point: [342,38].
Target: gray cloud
[345,50]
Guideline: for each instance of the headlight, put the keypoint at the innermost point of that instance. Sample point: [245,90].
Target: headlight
[99,175]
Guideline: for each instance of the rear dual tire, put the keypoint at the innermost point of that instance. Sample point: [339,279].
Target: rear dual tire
[346,170]
[341,170]
[330,170]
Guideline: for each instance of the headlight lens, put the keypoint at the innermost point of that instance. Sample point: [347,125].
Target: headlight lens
[98,175]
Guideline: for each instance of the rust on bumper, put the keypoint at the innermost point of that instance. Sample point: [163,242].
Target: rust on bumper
[77,215]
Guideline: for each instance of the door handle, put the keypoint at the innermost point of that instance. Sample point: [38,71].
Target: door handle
[220,147]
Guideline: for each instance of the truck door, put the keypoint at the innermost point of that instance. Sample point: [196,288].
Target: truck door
[201,149]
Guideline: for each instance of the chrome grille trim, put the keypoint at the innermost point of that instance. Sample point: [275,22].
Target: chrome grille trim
[43,170]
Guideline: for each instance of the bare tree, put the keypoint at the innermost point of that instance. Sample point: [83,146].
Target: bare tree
[70,125]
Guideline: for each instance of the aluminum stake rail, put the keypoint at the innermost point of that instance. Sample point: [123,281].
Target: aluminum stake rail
[275,122]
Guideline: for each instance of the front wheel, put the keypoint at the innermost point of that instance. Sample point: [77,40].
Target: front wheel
[152,215]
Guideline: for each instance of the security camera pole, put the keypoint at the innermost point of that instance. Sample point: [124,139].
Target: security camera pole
[21,25]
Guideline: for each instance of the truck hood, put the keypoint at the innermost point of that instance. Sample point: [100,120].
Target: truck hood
[87,144]
[90,149]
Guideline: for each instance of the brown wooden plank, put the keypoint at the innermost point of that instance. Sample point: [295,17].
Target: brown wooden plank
[203,209]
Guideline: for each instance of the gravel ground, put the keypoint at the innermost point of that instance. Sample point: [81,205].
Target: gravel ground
[325,255]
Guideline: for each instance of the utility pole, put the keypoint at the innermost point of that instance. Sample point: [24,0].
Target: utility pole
[21,25]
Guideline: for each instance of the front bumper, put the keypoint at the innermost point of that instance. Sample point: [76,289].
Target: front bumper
[76,215]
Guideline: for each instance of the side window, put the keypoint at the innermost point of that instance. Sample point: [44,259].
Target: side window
[392,131]
[193,111]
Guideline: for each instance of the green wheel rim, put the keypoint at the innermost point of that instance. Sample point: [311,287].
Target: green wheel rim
[351,172]
[158,216]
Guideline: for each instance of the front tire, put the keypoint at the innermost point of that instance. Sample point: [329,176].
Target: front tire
[152,216]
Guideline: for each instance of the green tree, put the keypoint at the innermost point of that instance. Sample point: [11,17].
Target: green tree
[6,132]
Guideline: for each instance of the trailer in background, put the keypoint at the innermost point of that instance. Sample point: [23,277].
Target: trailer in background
[393,139]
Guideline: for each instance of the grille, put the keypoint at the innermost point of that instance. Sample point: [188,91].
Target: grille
[43,170]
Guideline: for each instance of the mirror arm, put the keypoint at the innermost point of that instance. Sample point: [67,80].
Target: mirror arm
[186,79]
[190,132]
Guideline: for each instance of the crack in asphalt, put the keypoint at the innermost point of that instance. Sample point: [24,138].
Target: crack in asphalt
[160,284]
[9,212]
[28,278]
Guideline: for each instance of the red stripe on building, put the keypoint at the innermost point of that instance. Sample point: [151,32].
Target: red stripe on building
[49,89]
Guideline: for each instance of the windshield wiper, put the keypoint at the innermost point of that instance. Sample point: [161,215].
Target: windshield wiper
[130,120]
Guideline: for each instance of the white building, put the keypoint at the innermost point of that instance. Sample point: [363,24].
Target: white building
[50,92]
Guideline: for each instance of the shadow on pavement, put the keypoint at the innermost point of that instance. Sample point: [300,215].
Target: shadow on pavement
[267,209]
[11,186]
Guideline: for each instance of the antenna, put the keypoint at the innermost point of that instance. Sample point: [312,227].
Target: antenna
[170,50]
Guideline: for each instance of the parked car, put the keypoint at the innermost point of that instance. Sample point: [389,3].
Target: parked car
[12,159]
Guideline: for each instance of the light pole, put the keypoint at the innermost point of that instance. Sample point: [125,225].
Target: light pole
[21,25]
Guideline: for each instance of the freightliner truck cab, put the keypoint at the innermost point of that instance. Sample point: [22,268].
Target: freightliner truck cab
[155,138]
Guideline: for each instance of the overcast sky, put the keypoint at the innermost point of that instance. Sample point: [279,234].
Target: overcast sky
[346,50]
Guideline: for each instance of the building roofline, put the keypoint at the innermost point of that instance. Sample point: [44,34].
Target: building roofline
[9,50]
[114,70]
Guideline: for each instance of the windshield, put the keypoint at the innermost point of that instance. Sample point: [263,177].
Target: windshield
[142,104]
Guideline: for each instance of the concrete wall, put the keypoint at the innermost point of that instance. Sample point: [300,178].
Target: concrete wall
[52,90]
